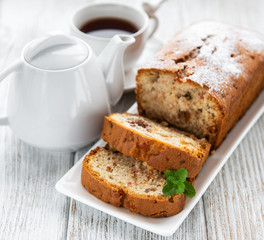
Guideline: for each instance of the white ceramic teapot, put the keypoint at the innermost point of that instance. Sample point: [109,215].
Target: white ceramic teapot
[61,92]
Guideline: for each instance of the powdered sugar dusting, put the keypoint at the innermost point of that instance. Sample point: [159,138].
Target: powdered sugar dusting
[213,52]
[254,41]
[215,79]
[218,53]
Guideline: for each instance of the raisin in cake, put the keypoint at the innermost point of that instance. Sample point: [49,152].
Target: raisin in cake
[204,80]
[124,181]
[161,147]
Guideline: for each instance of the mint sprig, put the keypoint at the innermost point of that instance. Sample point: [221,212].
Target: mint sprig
[177,183]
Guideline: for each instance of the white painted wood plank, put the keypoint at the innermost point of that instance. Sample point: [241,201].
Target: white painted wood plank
[29,204]
[30,207]
[175,15]
[88,223]
[234,203]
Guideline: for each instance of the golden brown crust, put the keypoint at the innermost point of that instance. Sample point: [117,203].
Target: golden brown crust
[154,207]
[143,204]
[240,107]
[157,154]
[226,60]
[100,189]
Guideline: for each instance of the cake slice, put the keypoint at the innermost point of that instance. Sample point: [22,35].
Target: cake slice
[125,182]
[160,147]
[204,79]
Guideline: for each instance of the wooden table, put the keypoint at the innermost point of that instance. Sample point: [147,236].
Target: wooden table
[30,207]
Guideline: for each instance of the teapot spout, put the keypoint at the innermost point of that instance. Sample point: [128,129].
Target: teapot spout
[111,61]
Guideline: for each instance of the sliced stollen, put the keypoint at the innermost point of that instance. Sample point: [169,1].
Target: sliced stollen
[125,181]
[161,147]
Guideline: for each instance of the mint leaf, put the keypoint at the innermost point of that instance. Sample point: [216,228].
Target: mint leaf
[173,186]
[189,190]
[180,187]
[180,175]
[169,173]
[168,190]
[171,179]
[177,183]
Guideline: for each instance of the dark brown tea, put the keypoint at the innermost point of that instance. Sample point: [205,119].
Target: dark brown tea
[108,27]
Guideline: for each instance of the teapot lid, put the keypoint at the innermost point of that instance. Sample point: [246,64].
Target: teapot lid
[56,52]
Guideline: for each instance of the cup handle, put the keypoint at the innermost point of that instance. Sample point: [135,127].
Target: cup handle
[150,10]
[10,69]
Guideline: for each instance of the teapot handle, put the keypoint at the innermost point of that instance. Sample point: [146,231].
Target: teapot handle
[150,10]
[10,69]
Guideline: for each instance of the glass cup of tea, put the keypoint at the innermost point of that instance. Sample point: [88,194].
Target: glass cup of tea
[97,23]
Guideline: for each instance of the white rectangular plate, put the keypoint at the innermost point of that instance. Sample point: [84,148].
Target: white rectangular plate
[70,183]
